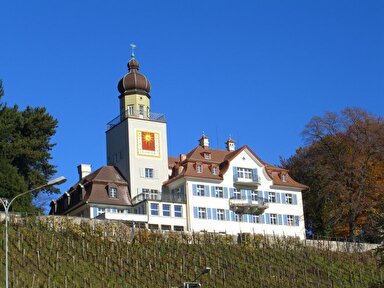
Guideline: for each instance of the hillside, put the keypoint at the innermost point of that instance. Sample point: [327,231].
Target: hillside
[60,252]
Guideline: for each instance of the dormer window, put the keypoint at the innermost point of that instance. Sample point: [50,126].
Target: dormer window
[284,177]
[112,190]
[199,168]
[214,170]
[207,155]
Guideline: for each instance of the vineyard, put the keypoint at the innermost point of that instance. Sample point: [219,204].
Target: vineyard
[63,252]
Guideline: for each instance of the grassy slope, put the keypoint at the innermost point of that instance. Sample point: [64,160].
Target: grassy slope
[64,254]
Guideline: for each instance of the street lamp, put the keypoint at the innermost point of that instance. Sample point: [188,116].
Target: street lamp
[7,204]
[195,284]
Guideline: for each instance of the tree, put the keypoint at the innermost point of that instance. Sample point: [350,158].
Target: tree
[25,146]
[343,164]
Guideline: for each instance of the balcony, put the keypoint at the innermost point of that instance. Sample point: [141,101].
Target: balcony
[243,182]
[248,205]
[151,116]
[146,196]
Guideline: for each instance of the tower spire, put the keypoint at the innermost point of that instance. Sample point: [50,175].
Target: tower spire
[133,46]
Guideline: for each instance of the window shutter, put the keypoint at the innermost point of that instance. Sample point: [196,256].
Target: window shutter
[254,175]
[294,198]
[206,190]
[249,197]
[283,201]
[194,189]
[285,217]
[260,198]
[142,173]
[230,192]
[94,211]
[250,218]
[243,193]
[209,216]
[297,222]
[225,192]
[278,197]
[244,217]
[233,218]
[234,174]
[262,218]
[214,214]
[195,212]
[266,196]
[267,219]
[213,191]
[227,217]
[280,219]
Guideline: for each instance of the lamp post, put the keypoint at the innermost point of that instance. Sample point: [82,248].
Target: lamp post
[7,204]
[195,284]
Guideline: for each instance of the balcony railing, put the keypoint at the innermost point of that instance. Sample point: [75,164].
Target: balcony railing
[152,116]
[243,182]
[146,196]
[248,205]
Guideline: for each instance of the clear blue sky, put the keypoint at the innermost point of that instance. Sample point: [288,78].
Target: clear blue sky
[258,70]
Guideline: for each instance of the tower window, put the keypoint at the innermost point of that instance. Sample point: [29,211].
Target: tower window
[130,110]
[141,109]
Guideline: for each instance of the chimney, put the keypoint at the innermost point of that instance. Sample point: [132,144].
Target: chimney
[182,157]
[230,144]
[84,170]
[203,141]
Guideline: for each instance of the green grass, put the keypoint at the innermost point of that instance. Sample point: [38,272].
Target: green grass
[60,253]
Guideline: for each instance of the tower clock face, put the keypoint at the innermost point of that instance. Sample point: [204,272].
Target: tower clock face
[148,143]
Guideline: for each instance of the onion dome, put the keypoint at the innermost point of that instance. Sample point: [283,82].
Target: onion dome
[134,82]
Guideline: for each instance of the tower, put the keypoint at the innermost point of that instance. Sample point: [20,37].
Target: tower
[137,138]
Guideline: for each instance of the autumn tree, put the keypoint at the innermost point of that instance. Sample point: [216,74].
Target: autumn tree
[343,164]
[25,147]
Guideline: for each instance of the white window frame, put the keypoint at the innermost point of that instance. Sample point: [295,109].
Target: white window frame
[149,173]
[272,197]
[284,177]
[199,168]
[290,220]
[202,213]
[254,195]
[256,219]
[273,218]
[141,110]
[154,211]
[236,193]
[100,211]
[219,192]
[178,213]
[288,198]
[167,211]
[200,190]
[220,214]
[214,170]
[130,109]
[244,173]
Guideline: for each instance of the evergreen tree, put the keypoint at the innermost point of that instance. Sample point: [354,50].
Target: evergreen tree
[24,150]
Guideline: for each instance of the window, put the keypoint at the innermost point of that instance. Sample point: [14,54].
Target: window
[207,155]
[219,192]
[214,170]
[141,110]
[244,173]
[166,227]
[113,192]
[238,217]
[100,211]
[199,168]
[130,110]
[202,213]
[154,209]
[254,196]
[220,214]
[255,218]
[153,227]
[178,211]
[284,177]
[148,173]
[290,221]
[178,228]
[288,198]
[166,210]
[200,190]
[272,197]
[236,194]
[273,218]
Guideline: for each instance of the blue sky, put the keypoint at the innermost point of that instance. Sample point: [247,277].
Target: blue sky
[258,70]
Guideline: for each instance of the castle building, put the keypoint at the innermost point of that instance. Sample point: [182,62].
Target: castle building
[224,191]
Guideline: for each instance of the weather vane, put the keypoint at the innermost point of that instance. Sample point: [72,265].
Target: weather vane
[133,46]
